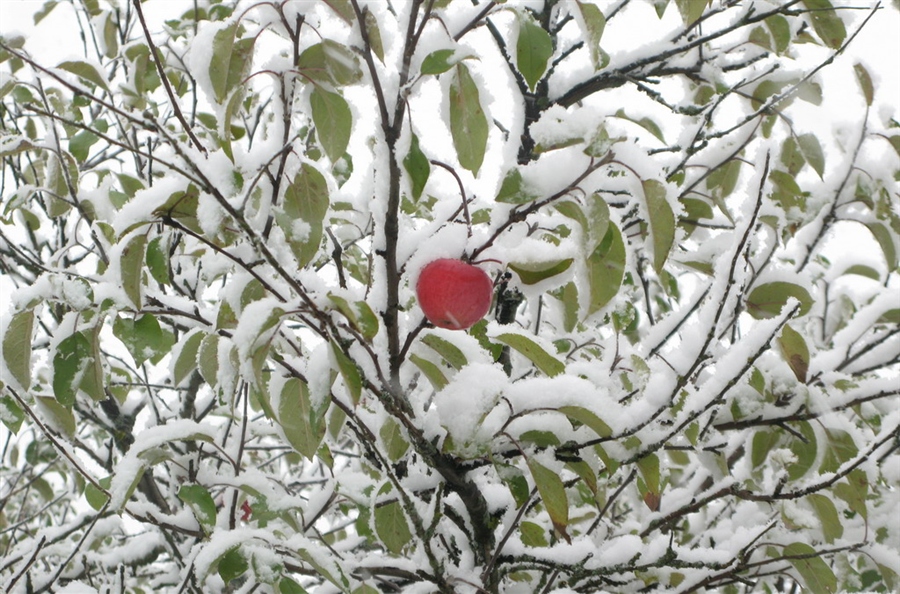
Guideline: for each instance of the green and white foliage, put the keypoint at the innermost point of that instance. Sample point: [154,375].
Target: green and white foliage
[216,376]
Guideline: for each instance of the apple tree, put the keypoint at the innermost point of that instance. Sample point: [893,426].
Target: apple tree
[216,374]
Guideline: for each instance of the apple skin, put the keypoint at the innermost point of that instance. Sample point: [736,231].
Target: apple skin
[454,294]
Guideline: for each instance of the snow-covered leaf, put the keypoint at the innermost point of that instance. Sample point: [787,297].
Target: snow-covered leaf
[543,360]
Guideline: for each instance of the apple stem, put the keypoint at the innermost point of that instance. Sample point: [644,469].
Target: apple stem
[462,192]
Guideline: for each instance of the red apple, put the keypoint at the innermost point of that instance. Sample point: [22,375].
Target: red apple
[454,294]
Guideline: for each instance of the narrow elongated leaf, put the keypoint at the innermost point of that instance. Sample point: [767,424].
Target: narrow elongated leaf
[553,494]
[86,71]
[543,360]
[812,152]
[531,273]
[606,269]
[795,352]
[395,443]
[815,572]
[417,166]
[431,371]
[17,347]
[594,24]
[374,34]
[131,268]
[333,121]
[185,361]
[71,361]
[662,221]
[442,60]
[446,349]
[781,32]
[828,516]
[825,20]
[865,82]
[533,50]
[303,428]
[468,122]
[349,372]
[586,417]
[854,490]
[885,239]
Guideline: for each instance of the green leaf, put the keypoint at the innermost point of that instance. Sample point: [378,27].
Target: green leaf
[232,564]
[585,417]
[208,359]
[468,122]
[805,449]
[200,502]
[306,202]
[395,444]
[391,526]
[767,300]
[594,24]
[333,120]
[791,157]
[158,259]
[544,361]
[330,62]
[828,516]
[815,572]
[514,190]
[812,152]
[417,166]
[95,497]
[763,442]
[131,268]
[446,349]
[885,239]
[374,33]
[288,586]
[531,273]
[724,179]
[553,494]
[825,20]
[85,71]
[795,352]
[606,269]
[854,491]
[70,363]
[303,428]
[61,417]
[186,359]
[230,61]
[349,372]
[144,338]
[865,82]
[781,32]
[431,371]
[10,413]
[839,448]
[533,535]
[662,221]
[691,10]
[17,347]
[645,123]
[533,50]
[440,61]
